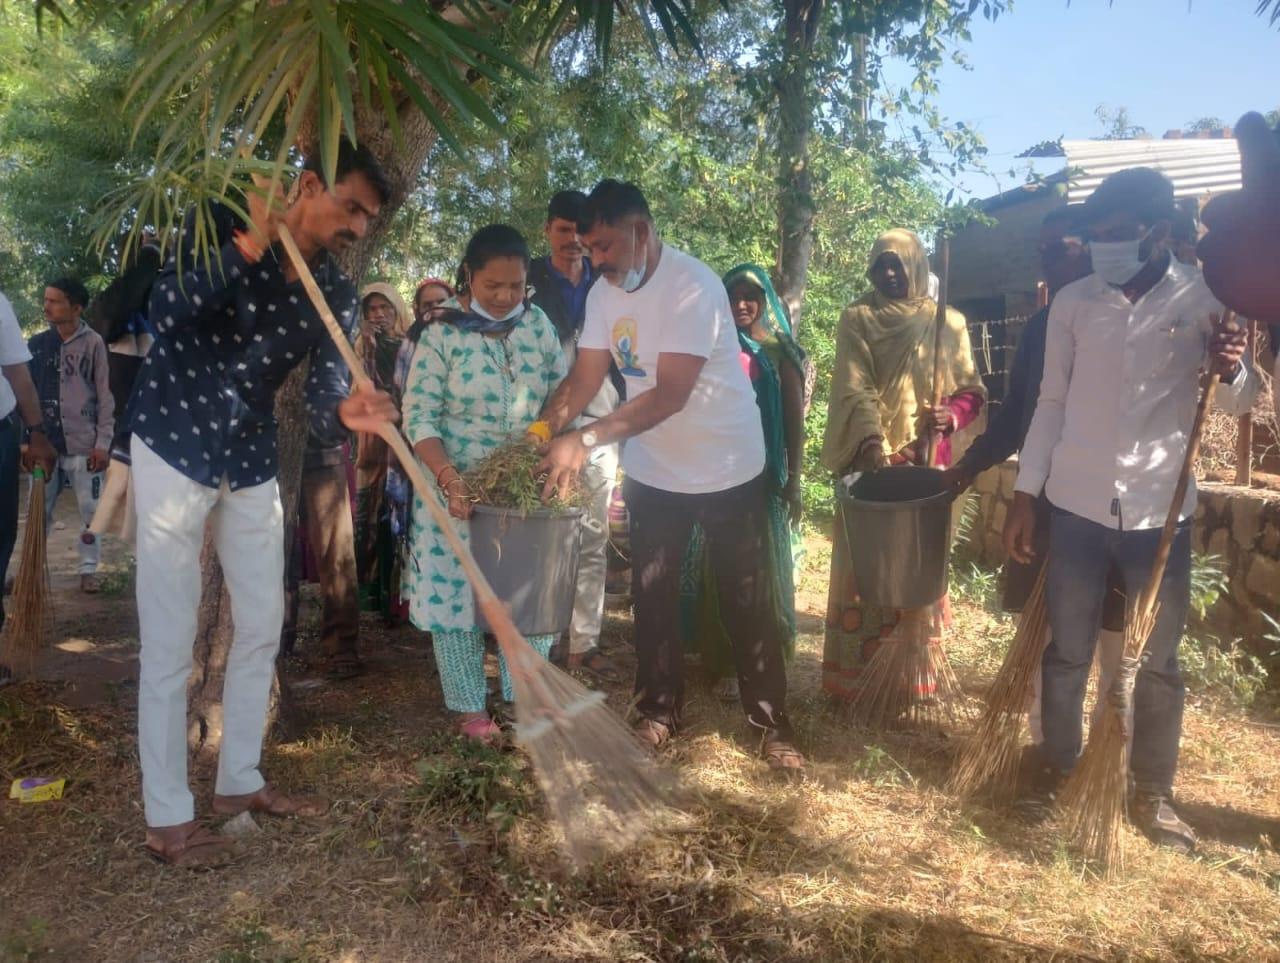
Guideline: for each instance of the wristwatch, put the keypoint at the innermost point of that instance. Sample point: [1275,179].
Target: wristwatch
[589,438]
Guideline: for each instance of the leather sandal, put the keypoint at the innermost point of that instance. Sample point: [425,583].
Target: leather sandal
[270,802]
[189,845]
[595,662]
[780,753]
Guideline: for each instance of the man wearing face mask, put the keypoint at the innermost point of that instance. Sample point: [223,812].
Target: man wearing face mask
[1063,259]
[1123,351]
[695,455]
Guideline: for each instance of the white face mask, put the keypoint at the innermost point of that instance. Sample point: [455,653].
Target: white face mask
[1116,262]
[478,308]
[635,276]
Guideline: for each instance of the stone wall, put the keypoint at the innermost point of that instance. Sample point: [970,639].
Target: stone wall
[1241,526]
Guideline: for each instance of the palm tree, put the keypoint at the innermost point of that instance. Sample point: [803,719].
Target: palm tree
[249,82]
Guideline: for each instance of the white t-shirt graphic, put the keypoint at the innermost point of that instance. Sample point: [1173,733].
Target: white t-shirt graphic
[716,442]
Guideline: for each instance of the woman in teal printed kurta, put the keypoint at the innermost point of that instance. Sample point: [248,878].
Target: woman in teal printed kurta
[477,379]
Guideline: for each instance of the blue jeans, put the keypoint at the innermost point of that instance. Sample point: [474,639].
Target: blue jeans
[1080,555]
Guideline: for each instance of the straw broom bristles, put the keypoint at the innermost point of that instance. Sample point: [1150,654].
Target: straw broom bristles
[990,758]
[24,626]
[1093,799]
[908,681]
[603,789]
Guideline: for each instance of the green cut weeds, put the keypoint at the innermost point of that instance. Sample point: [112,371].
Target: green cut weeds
[509,478]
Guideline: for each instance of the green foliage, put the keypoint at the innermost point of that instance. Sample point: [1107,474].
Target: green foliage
[474,784]
[26,942]
[1116,124]
[1226,671]
[65,146]
[975,585]
[1209,582]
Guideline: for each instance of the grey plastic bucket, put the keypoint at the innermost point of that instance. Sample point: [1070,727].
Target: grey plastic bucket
[898,524]
[532,563]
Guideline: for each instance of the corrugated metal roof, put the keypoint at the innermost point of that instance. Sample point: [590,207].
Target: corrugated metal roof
[1196,167]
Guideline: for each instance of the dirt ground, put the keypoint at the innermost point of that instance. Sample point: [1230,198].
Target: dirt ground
[435,851]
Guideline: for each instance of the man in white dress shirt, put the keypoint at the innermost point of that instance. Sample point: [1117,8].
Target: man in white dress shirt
[1124,349]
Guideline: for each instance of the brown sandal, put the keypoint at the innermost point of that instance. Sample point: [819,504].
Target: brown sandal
[189,845]
[271,802]
[781,755]
[597,663]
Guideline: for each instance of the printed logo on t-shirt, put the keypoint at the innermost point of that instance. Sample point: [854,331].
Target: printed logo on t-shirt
[623,346]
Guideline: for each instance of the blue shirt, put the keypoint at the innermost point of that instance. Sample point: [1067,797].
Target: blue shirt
[227,335]
[574,295]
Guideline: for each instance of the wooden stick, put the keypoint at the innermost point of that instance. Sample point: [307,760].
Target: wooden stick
[1244,435]
[497,615]
[1147,600]
[939,329]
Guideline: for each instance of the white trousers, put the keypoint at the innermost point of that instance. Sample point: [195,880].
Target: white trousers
[593,560]
[248,533]
[1107,656]
[73,472]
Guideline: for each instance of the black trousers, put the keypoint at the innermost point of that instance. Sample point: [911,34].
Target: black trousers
[9,459]
[735,523]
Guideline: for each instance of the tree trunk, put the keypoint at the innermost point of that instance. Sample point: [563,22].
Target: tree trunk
[796,206]
[403,163]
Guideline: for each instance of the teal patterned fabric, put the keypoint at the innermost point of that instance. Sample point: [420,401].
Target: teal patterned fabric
[704,633]
[460,659]
[473,393]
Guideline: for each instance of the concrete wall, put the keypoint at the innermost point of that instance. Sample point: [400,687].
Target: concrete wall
[1240,525]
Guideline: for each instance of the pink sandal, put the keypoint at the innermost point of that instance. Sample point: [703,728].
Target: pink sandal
[481,729]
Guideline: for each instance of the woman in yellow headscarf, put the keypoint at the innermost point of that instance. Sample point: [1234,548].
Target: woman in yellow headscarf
[878,412]
[385,320]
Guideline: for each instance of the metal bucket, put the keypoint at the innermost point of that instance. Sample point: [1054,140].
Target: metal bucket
[898,523]
[532,563]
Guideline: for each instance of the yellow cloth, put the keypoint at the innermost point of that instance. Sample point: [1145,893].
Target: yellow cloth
[884,360]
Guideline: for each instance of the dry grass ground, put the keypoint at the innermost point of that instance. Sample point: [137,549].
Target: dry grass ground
[437,852]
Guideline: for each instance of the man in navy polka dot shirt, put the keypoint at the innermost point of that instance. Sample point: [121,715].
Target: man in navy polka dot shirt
[203,449]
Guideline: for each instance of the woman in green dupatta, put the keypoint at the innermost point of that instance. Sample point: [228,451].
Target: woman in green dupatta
[776,365]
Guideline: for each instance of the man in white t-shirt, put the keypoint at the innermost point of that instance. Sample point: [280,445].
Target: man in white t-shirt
[19,416]
[694,454]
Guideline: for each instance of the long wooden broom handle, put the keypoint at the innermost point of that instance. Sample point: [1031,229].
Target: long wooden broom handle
[1147,601]
[939,328]
[494,611]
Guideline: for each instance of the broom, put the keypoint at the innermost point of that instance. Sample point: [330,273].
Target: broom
[991,756]
[909,679]
[1094,797]
[603,788]
[24,628]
